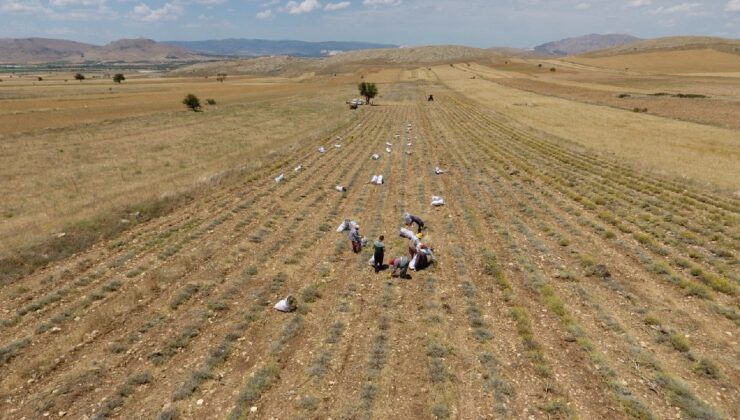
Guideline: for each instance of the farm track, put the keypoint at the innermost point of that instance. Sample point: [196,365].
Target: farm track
[517,319]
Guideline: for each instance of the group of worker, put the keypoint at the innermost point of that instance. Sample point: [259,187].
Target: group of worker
[420,254]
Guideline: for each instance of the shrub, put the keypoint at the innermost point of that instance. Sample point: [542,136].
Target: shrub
[679,342]
[191,101]
[211,101]
[310,294]
[118,78]
[707,367]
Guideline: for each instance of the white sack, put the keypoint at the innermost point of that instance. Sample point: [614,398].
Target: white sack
[298,168]
[280,178]
[376,156]
[377,180]
[388,149]
[438,171]
[437,201]
[284,305]
[347,225]
[340,188]
[388,144]
[322,149]
[406,233]
[337,146]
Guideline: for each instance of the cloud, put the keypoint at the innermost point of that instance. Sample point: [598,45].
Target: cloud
[733,6]
[583,6]
[22,6]
[640,3]
[209,2]
[306,6]
[376,3]
[265,14]
[143,13]
[62,3]
[337,6]
[679,8]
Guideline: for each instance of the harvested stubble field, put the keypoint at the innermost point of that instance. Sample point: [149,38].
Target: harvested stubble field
[569,284]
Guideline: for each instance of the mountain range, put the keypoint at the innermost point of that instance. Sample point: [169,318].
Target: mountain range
[31,51]
[44,51]
[584,44]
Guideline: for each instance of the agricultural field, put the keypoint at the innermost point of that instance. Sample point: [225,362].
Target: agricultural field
[577,274]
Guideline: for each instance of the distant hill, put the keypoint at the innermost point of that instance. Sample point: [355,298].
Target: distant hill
[41,50]
[584,44]
[672,43]
[241,47]
[140,49]
[684,54]
[344,62]
[45,51]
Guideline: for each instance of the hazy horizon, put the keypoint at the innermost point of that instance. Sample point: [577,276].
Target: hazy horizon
[477,23]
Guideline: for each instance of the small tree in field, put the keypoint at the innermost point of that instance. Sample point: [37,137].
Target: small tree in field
[118,78]
[221,77]
[368,90]
[191,101]
[79,76]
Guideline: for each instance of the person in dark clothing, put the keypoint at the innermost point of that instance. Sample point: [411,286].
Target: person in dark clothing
[411,219]
[379,254]
[354,236]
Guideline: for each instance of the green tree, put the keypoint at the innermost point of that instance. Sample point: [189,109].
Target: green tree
[79,76]
[368,90]
[118,78]
[191,101]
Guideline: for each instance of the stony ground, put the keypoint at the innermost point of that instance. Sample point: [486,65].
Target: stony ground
[567,286]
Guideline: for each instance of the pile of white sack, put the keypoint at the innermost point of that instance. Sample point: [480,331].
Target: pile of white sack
[377,180]
[438,201]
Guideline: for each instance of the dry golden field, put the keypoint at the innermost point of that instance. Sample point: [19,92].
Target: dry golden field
[586,256]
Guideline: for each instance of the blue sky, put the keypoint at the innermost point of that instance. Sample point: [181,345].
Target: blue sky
[516,23]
